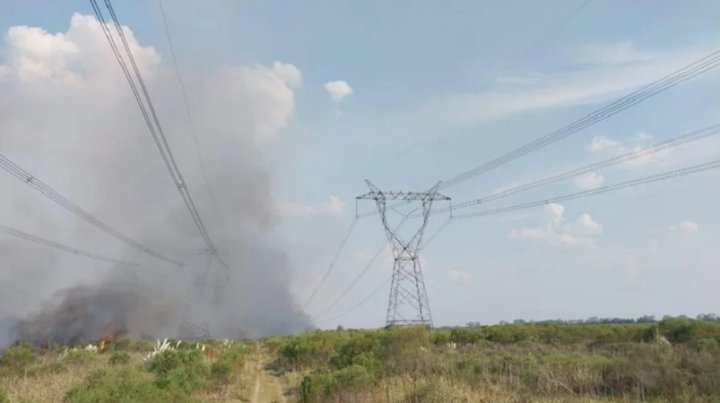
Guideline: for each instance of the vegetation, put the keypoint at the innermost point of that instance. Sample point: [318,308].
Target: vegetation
[672,360]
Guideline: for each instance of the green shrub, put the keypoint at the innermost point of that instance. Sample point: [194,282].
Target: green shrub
[220,371]
[18,357]
[707,344]
[320,386]
[351,378]
[172,359]
[3,396]
[123,385]
[79,356]
[119,357]
[183,379]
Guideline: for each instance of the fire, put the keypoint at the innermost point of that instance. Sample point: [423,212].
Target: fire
[108,336]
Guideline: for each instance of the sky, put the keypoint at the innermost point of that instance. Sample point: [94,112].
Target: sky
[404,94]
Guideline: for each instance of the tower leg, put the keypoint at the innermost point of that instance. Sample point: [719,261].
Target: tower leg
[408,304]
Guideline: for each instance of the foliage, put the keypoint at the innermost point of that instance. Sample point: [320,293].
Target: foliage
[119,357]
[673,359]
[124,385]
[18,357]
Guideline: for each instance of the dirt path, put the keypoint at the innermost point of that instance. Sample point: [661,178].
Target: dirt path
[268,388]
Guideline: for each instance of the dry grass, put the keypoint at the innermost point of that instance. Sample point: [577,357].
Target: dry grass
[50,378]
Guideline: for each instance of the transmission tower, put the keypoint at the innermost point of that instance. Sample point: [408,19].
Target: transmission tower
[408,304]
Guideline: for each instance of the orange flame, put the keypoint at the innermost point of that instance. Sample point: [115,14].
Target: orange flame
[108,337]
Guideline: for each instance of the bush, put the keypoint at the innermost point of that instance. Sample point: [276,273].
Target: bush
[18,357]
[79,356]
[172,359]
[119,358]
[123,385]
[3,396]
[320,386]
[220,371]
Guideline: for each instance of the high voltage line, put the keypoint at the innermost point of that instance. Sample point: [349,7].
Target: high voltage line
[623,158]
[59,199]
[563,198]
[147,109]
[692,70]
[332,263]
[55,245]
[604,189]
[361,303]
[367,266]
[666,82]
[191,123]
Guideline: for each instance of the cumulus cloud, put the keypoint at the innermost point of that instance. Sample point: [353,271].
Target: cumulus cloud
[637,143]
[334,206]
[459,277]
[338,89]
[557,231]
[67,115]
[603,143]
[266,94]
[589,181]
[686,227]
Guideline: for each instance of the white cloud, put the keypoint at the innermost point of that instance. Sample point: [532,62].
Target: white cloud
[559,232]
[642,137]
[589,181]
[593,76]
[587,226]
[638,144]
[79,56]
[686,227]
[603,143]
[459,277]
[287,73]
[334,206]
[338,89]
[622,52]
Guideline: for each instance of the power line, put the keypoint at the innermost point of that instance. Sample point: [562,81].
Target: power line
[692,70]
[59,199]
[354,281]
[362,302]
[529,50]
[368,265]
[592,192]
[332,263]
[623,158]
[150,116]
[55,245]
[191,123]
[437,232]
[543,39]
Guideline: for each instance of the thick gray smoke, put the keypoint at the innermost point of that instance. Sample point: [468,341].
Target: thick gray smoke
[67,116]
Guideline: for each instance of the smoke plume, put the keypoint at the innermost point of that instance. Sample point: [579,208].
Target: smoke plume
[68,117]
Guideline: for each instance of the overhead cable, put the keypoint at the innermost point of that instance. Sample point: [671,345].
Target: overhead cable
[686,73]
[59,199]
[332,262]
[55,245]
[361,303]
[592,192]
[150,116]
[620,159]
[186,103]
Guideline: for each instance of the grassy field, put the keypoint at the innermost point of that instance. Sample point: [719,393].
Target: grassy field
[674,360]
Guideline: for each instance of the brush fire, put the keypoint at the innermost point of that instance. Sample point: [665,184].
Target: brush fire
[108,337]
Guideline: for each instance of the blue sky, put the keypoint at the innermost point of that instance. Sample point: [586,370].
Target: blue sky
[441,87]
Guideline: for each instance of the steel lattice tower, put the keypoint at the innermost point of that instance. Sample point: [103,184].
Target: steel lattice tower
[408,304]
